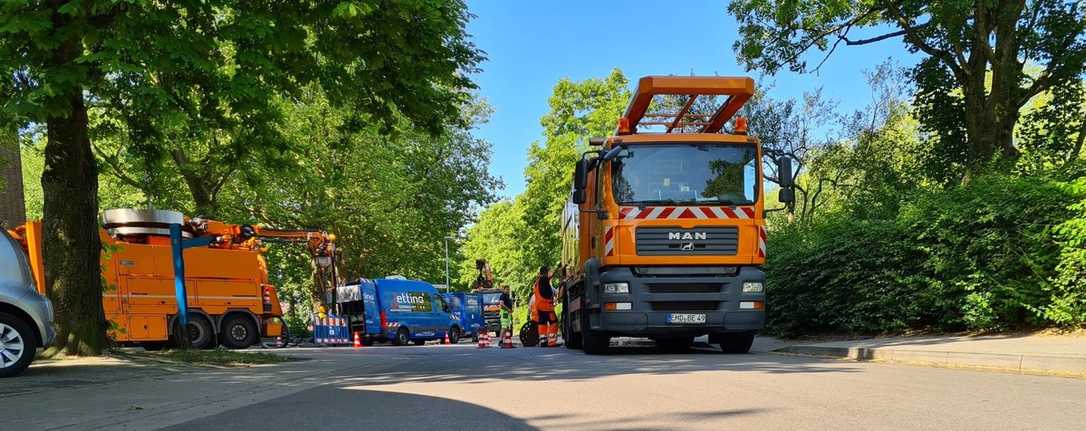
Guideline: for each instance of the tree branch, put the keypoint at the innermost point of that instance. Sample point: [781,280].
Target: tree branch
[819,35]
[918,42]
[116,170]
[851,42]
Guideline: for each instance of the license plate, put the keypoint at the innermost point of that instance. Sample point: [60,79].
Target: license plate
[686,319]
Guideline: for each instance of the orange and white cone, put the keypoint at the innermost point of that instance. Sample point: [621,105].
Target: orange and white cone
[447,337]
[484,339]
[507,338]
[357,340]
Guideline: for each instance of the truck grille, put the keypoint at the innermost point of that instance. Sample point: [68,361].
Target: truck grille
[684,287]
[685,305]
[662,241]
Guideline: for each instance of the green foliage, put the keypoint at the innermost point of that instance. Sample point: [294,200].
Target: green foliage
[498,236]
[1068,295]
[112,192]
[184,94]
[520,235]
[578,111]
[1052,134]
[390,198]
[979,256]
[972,81]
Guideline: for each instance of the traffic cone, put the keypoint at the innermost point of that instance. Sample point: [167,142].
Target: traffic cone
[484,339]
[279,341]
[507,339]
[447,338]
[357,340]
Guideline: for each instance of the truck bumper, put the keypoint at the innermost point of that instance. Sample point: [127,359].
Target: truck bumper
[653,299]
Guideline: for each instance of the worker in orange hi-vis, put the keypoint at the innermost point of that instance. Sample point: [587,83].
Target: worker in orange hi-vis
[543,308]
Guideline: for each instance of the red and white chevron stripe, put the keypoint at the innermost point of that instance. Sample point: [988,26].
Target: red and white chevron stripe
[761,241]
[676,213]
[609,241]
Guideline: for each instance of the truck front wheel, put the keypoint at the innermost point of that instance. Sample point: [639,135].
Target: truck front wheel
[403,336]
[594,343]
[572,339]
[736,342]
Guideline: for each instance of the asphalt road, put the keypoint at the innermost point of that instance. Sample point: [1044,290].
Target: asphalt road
[460,387]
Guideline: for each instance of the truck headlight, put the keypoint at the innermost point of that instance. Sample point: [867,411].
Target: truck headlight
[616,288]
[753,287]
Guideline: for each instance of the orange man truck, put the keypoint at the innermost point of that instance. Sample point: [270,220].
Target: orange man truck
[664,233]
[230,300]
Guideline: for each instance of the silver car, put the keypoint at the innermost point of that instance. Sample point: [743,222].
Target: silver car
[26,318]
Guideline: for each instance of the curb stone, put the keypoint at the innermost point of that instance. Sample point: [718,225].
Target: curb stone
[1068,366]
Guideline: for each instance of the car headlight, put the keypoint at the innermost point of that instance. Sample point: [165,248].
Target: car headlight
[753,287]
[616,288]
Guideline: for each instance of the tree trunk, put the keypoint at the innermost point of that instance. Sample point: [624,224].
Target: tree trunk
[200,188]
[12,200]
[72,248]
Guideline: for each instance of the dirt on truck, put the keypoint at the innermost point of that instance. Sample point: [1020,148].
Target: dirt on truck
[664,232]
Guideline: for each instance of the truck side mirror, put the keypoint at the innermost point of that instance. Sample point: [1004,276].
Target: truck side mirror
[580,174]
[579,196]
[784,172]
[787,193]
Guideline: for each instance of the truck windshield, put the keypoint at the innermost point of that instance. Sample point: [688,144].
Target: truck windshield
[686,173]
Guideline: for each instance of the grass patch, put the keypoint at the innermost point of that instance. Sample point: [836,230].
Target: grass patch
[216,357]
[222,357]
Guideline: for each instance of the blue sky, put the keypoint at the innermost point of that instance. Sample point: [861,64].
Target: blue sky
[532,45]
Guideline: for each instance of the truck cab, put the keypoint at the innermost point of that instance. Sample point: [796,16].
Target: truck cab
[664,233]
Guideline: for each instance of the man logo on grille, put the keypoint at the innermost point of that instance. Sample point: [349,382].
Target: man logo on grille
[687,235]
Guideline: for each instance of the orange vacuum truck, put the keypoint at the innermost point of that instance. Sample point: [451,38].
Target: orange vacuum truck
[230,300]
[664,232]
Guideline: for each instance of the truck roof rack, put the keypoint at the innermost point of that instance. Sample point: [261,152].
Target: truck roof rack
[737,89]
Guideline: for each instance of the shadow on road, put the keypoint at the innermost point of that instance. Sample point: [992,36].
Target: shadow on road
[466,364]
[583,422]
[331,407]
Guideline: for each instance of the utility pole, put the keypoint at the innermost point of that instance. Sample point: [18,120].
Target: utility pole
[447,286]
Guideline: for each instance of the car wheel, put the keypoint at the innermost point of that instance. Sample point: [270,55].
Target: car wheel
[736,342]
[200,333]
[238,332]
[402,337]
[18,345]
[454,335]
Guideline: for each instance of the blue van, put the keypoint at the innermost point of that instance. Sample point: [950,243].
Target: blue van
[468,309]
[398,310]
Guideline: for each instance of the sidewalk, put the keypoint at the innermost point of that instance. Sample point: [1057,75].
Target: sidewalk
[1063,355]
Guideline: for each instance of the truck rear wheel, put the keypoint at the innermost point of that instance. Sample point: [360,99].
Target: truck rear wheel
[454,335]
[200,334]
[594,343]
[238,332]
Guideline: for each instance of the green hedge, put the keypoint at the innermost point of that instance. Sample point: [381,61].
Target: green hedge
[999,253]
